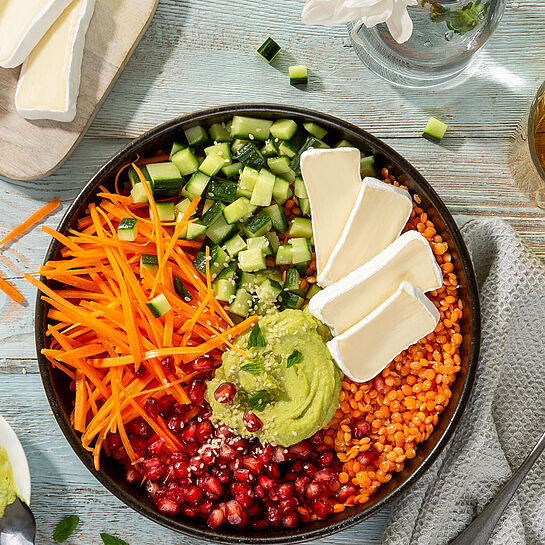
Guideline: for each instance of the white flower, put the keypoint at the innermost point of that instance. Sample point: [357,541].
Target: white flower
[369,12]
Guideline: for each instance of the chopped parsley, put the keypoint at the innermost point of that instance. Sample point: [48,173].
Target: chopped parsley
[293,358]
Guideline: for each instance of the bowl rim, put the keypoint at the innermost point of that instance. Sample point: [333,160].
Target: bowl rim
[263,109]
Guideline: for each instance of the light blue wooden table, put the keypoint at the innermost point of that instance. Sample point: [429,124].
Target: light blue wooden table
[200,53]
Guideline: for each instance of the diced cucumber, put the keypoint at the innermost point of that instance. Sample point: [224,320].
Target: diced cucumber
[165,211]
[310,143]
[263,189]
[291,300]
[312,291]
[269,272]
[238,210]
[283,129]
[242,303]
[218,133]
[150,263]
[274,242]
[268,50]
[269,149]
[281,167]
[212,214]
[298,74]
[222,149]
[258,225]
[220,230]
[291,147]
[293,280]
[246,281]
[159,305]
[139,194]
[301,267]
[268,290]
[167,180]
[251,260]
[300,227]
[301,250]
[304,205]
[196,185]
[195,230]
[218,259]
[224,289]
[281,190]
[300,189]
[315,130]
[247,181]
[181,207]
[367,166]
[232,170]
[207,205]
[229,272]
[238,144]
[181,289]
[127,229]
[212,164]
[278,217]
[344,144]
[176,147]
[222,191]
[284,254]
[250,156]
[234,245]
[261,243]
[196,136]
[185,161]
[135,179]
[250,128]
[435,130]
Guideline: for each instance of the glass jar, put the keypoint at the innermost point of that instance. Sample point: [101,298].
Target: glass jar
[446,35]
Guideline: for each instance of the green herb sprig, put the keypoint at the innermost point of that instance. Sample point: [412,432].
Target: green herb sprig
[293,358]
[260,400]
[256,337]
[65,528]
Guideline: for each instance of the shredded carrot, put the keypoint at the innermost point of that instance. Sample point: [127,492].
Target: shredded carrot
[11,291]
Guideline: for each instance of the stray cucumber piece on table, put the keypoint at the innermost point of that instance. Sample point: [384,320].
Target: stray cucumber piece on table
[298,74]
[435,130]
[268,50]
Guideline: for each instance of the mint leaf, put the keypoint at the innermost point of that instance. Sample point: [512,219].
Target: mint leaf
[65,528]
[256,337]
[254,368]
[107,539]
[293,358]
[260,400]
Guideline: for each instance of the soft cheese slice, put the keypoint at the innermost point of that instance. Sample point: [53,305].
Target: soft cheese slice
[346,302]
[369,346]
[378,217]
[23,23]
[332,179]
[50,79]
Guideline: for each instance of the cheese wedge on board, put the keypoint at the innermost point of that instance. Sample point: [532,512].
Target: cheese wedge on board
[49,84]
[378,217]
[346,302]
[23,23]
[365,349]
[332,180]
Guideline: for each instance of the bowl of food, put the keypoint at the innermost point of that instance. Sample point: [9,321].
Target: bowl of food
[232,329]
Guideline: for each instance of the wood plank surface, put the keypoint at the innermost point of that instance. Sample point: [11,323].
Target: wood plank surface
[198,54]
[33,149]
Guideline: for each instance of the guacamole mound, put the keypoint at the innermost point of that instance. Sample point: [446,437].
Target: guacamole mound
[8,492]
[301,399]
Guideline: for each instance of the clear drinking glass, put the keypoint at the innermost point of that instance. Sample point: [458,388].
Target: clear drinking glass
[446,35]
[528,151]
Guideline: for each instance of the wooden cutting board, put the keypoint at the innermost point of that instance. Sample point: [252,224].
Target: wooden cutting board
[30,150]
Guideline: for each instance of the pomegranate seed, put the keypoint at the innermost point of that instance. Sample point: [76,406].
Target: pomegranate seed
[235,464]
[148,463]
[174,423]
[196,465]
[252,421]
[156,447]
[325,476]
[320,508]
[265,482]
[212,487]
[287,506]
[285,491]
[345,492]
[168,506]
[313,491]
[192,448]
[208,456]
[204,509]
[260,524]
[273,517]
[244,499]
[272,471]
[139,428]
[233,511]
[280,455]
[310,469]
[259,492]
[216,519]
[325,459]
[194,496]
[225,392]
[181,469]
[317,438]
[301,484]
[188,433]
[204,431]
[368,457]
[224,431]
[72,386]
[176,492]
[361,428]
[196,390]
[165,406]
[253,464]
[379,384]
[168,365]
[156,473]
[243,476]
[291,520]
[133,476]
[152,408]
[204,365]
[188,511]
[224,475]
[114,441]
[151,488]
[265,454]
[240,444]
[300,451]
[177,457]
[241,487]
[227,451]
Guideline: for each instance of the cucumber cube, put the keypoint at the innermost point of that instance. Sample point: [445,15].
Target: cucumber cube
[247,281]
[367,166]
[159,305]
[435,130]
[312,291]
[291,300]
[301,250]
[293,280]
[222,191]
[195,230]
[281,190]
[283,129]
[247,181]
[274,242]
[134,178]
[196,185]
[196,136]
[250,156]
[223,150]
[263,189]
[238,210]
[251,260]
[207,205]
[176,147]
[300,227]
[166,178]
[261,243]
[281,167]
[212,214]
[268,290]
[284,254]
[315,130]
[181,289]
[224,289]
[234,245]
[127,229]
[304,205]
[268,50]
[218,258]
[269,149]
[250,128]
[258,225]
[242,303]
[278,217]
[344,144]
[300,189]
[219,133]
[139,194]
[181,207]
[220,230]
[232,170]
[149,263]
[165,211]
[298,74]
[185,161]
[212,164]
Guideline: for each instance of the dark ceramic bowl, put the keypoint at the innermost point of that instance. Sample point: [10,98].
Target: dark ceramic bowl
[112,477]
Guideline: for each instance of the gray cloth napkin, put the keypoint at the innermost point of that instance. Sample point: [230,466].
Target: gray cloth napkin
[506,413]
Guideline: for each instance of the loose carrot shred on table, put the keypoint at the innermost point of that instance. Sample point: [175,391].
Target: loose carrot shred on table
[101,332]
[11,291]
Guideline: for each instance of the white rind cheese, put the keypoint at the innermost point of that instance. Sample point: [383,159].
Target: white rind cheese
[378,217]
[344,303]
[23,23]
[49,84]
[332,180]
[365,349]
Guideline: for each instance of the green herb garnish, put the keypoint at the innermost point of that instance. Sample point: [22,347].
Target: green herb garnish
[260,400]
[107,539]
[254,368]
[65,528]
[256,337]
[293,358]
